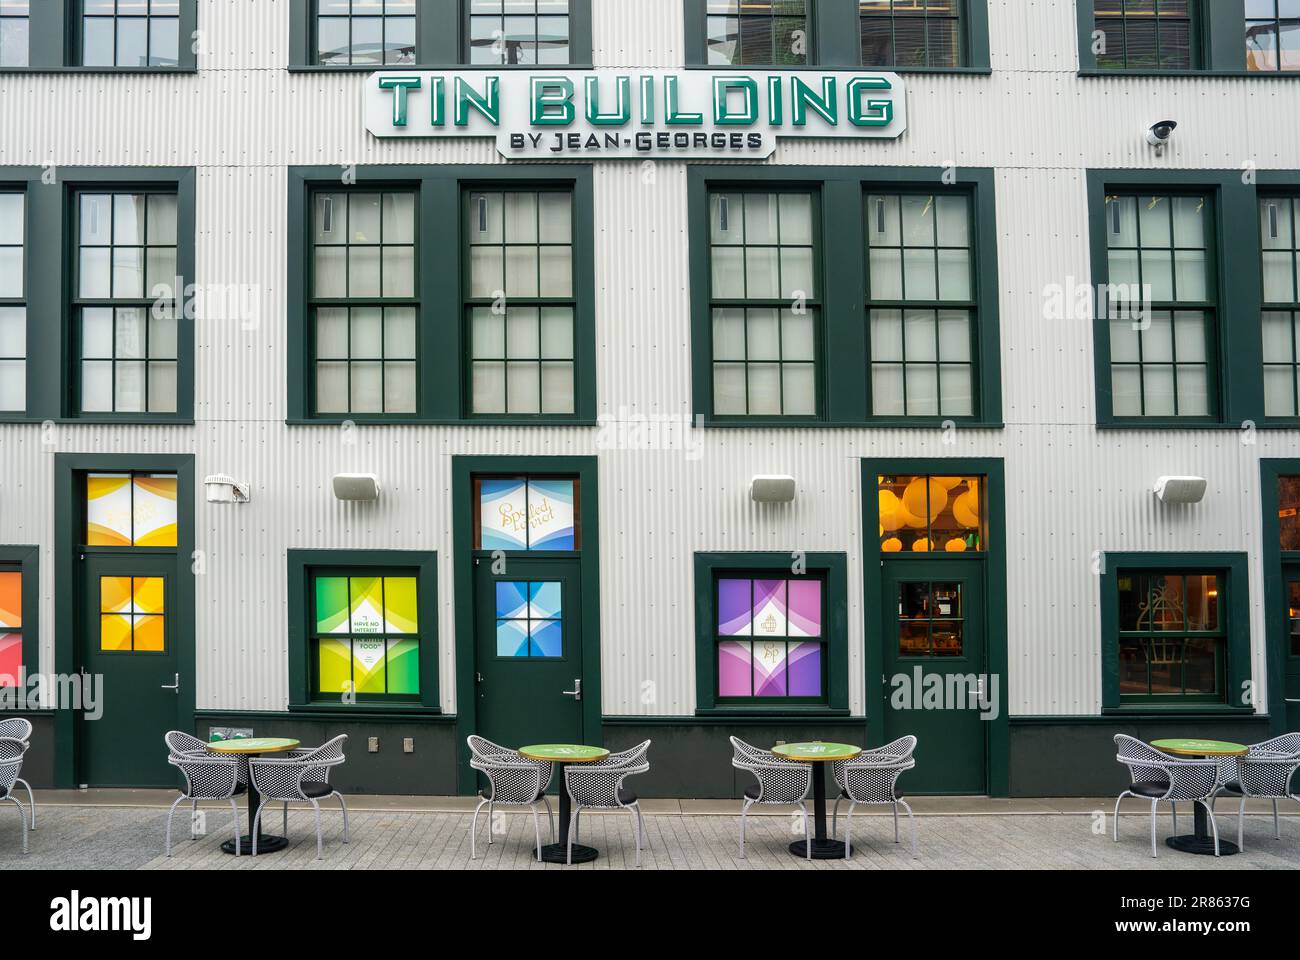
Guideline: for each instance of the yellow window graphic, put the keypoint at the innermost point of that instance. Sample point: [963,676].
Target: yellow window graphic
[131,615]
[130,510]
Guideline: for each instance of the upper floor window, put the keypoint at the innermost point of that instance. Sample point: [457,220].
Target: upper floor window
[1162,311]
[1145,34]
[15,33]
[764,303]
[758,32]
[365,32]
[1281,318]
[13,309]
[911,33]
[1273,35]
[519,31]
[921,309]
[130,33]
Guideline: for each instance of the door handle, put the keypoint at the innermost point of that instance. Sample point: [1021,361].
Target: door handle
[174,687]
[576,692]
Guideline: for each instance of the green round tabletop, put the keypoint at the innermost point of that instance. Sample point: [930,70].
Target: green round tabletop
[564,753]
[253,745]
[815,752]
[1201,748]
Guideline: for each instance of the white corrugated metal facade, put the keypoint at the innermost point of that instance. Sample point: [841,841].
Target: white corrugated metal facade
[243,119]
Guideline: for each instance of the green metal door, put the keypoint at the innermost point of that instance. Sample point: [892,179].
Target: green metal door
[935,680]
[1291,597]
[130,637]
[528,644]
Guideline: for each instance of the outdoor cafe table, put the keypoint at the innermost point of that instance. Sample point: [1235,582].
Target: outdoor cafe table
[1201,842]
[821,754]
[245,749]
[563,754]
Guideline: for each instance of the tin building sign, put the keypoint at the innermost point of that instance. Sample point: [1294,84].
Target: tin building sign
[612,114]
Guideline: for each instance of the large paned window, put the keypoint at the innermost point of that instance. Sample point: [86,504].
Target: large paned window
[13,302]
[363,301]
[15,33]
[365,32]
[1280,244]
[130,33]
[527,513]
[519,31]
[921,307]
[758,32]
[932,514]
[911,33]
[1161,304]
[521,305]
[764,296]
[1272,35]
[1145,34]
[1172,635]
[365,633]
[124,301]
[130,510]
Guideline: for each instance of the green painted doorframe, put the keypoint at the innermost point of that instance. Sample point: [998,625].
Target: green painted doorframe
[1275,634]
[463,470]
[67,583]
[998,774]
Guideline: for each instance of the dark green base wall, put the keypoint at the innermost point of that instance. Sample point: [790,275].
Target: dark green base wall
[1075,757]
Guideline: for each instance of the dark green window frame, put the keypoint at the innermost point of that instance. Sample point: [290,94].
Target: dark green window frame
[1220,46]
[835,39]
[55,37]
[844,354]
[27,561]
[442,373]
[303,565]
[52,357]
[1279,219]
[1234,614]
[441,38]
[832,570]
[1237,377]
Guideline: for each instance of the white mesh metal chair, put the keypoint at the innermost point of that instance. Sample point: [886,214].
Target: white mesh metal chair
[207,777]
[16,728]
[11,764]
[872,777]
[301,775]
[778,782]
[1157,777]
[1266,772]
[180,742]
[600,786]
[513,781]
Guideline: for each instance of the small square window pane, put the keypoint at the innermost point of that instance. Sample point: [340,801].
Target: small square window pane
[1124,342]
[330,275]
[922,390]
[1189,336]
[1123,272]
[728,273]
[129,387]
[162,336]
[523,387]
[800,389]
[764,338]
[331,218]
[762,281]
[796,218]
[557,271]
[367,334]
[164,41]
[96,386]
[726,219]
[399,40]
[1279,277]
[97,46]
[918,274]
[489,387]
[955,396]
[1189,222]
[887,390]
[954,275]
[160,273]
[132,43]
[13,385]
[521,272]
[488,334]
[1193,391]
[522,334]
[520,39]
[484,40]
[909,42]
[1126,391]
[557,387]
[486,272]
[15,43]
[129,334]
[363,272]
[886,274]
[162,387]
[1157,339]
[332,44]
[1190,275]
[1121,221]
[728,389]
[1153,221]
[128,272]
[94,273]
[332,333]
[886,335]
[367,40]
[883,221]
[953,217]
[1277,338]
[96,332]
[11,218]
[954,335]
[1279,391]
[1157,274]
[723,32]
[918,221]
[11,272]
[1158,391]
[555,213]
[764,388]
[399,217]
[521,217]
[399,333]
[877,42]
[760,218]
[919,335]
[364,217]
[487,218]
[13,332]
[798,336]
[552,40]
[160,219]
[128,219]
[96,220]
[797,280]
[367,387]
[1275,224]
[331,387]
[728,334]
[399,387]
[399,271]
[557,333]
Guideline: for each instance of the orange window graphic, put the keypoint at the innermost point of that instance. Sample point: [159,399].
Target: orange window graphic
[130,510]
[131,615]
[11,627]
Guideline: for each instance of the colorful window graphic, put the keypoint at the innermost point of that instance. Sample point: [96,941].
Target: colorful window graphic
[517,513]
[11,627]
[1173,635]
[366,635]
[932,514]
[782,652]
[132,615]
[530,619]
[130,510]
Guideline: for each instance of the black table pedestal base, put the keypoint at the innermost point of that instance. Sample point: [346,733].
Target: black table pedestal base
[265,844]
[1204,846]
[559,853]
[821,849]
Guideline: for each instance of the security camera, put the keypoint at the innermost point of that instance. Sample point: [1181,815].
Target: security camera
[1159,134]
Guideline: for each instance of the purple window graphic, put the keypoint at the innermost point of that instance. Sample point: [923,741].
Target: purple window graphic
[781,623]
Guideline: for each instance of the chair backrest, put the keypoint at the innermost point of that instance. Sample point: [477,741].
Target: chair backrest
[484,749]
[745,755]
[11,761]
[330,752]
[1287,744]
[1145,763]
[873,780]
[179,742]
[628,758]
[16,728]
[902,747]
[207,777]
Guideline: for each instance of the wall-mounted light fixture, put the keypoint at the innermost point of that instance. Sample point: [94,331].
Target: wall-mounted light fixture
[356,486]
[223,489]
[772,489]
[1181,489]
